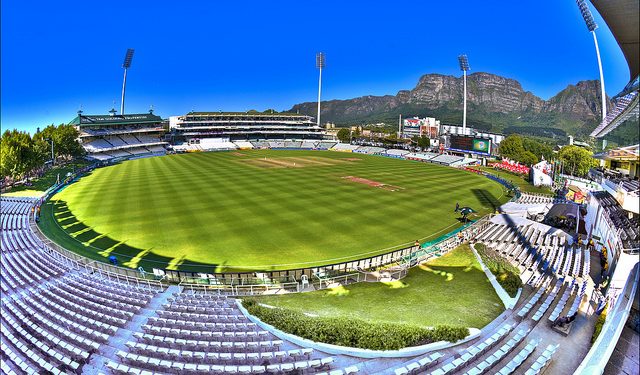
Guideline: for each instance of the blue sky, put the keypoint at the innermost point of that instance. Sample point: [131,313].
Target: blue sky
[241,55]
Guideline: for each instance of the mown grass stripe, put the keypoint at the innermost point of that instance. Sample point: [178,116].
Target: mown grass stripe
[209,208]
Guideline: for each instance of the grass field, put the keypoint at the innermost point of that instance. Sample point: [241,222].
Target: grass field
[260,209]
[39,185]
[518,180]
[451,289]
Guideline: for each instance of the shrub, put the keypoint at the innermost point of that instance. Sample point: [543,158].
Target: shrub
[355,333]
[507,275]
[599,323]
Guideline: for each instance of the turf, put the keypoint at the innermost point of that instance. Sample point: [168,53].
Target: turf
[40,185]
[518,180]
[450,290]
[259,209]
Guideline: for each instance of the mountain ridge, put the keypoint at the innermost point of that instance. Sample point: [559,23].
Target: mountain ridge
[493,102]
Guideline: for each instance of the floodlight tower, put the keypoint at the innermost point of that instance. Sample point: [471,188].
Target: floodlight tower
[592,26]
[126,65]
[464,66]
[320,66]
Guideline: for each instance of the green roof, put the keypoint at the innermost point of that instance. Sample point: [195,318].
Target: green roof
[87,120]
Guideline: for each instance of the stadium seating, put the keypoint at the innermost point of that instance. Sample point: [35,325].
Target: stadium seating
[343,147]
[325,145]
[121,145]
[424,156]
[393,153]
[58,317]
[243,145]
[446,159]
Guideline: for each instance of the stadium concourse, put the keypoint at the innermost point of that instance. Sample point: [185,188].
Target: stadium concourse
[59,316]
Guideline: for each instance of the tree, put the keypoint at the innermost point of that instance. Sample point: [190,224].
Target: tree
[576,160]
[539,149]
[511,147]
[19,154]
[423,142]
[523,150]
[344,135]
[65,140]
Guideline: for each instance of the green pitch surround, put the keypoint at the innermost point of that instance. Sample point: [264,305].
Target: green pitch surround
[260,209]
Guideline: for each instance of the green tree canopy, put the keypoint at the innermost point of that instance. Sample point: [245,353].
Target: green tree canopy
[576,160]
[21,153]
[344,135]
[423,141]
[65,140]
[524,150]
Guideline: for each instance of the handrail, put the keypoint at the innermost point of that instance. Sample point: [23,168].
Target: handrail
[598,356]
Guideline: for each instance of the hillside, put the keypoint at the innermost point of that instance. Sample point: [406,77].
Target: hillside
[494,103]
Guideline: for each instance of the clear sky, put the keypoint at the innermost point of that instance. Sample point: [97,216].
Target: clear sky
[241,55]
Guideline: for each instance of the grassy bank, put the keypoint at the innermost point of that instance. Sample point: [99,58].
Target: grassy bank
[449,290]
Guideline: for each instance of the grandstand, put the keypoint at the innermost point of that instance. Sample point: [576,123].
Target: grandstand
[234,126]
[445,159]
[60,316]
[107,137]
[343,147]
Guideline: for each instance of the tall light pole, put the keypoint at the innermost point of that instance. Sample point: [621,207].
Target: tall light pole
[320,66]
[592,26]
[126,65]
[464,66]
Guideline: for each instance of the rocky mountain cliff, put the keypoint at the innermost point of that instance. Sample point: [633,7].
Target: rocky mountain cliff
[494,102]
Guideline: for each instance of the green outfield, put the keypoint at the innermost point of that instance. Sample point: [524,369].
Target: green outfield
[260,209]
[451,289]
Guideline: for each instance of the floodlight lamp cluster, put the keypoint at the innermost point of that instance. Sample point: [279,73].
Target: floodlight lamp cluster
[586,14]
[464,63]
[320,60]
[127,58]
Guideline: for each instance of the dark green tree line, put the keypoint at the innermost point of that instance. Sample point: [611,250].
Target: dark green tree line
[524,150]
[21,153]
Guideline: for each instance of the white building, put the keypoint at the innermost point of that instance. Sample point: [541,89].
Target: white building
[415,126]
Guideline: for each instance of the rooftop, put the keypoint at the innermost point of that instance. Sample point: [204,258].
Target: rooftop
[85,120]
[253,114]
[628,153]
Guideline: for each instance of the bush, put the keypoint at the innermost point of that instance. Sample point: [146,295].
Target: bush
[353,332]
[507,275]
[599,323]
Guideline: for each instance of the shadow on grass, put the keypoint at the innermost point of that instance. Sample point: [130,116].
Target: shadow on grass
[486,198]
[59,224]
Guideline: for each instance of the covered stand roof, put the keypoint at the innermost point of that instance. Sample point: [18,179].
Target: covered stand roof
[629,153]
[622,18]
[92,120]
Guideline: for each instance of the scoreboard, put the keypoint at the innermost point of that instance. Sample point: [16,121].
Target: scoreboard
[470,144]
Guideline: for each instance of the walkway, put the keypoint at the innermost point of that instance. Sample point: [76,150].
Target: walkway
[107,351]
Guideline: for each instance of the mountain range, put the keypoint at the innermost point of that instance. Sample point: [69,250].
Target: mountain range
[494,103]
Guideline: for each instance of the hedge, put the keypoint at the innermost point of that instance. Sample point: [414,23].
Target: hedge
[350,332]
[599,323]
[507,275]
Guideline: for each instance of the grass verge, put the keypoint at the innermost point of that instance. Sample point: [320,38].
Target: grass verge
[507,275]
[518,180]
[355,333]
[449,290]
